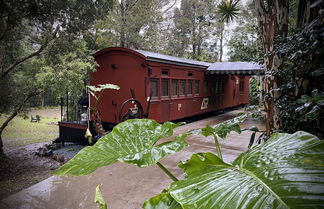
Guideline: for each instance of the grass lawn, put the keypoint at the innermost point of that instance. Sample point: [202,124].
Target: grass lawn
[22,132]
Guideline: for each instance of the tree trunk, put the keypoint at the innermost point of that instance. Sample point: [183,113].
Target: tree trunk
[123,24]
[14,114]
[221,43]
[273,22]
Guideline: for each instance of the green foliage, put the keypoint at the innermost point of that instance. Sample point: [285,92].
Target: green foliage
[265,176]
[132,142]
[162,201]
[192,31]
[224,128]
[310,107]
[27,28]
[301,80]
[229,10]
[245,42]
[99,198]
[99,89]
[255,90]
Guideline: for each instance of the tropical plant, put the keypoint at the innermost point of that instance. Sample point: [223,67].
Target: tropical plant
[96,92]
[229,10]
[285,172]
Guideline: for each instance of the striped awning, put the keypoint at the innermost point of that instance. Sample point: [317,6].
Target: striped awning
[243,68]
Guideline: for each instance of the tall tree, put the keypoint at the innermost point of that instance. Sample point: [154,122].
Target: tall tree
[192,22]
[228,10]
[135,23]
[273,22]
[29,28]
[245,43]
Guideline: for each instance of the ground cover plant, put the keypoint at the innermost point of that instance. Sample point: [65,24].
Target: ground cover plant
[284,172]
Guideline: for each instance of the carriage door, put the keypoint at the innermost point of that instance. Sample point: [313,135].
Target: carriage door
[165,100]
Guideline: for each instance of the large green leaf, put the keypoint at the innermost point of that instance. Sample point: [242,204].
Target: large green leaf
[162,201]
[224,128]
[285,172]
[131,142]
[101,87]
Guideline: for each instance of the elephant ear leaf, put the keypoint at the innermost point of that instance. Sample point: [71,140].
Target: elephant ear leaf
[162,201]
[131,142]
[224,128]
[285,172]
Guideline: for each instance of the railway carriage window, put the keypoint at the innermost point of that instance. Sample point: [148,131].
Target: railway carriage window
[241,86]
[196,87]
[205,87]
[154,87]
[165,87]
[182,87]
[165,72]
[174,87]
[189,87]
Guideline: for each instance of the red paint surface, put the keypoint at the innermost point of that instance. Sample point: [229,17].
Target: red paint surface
[132,72]
[73,125]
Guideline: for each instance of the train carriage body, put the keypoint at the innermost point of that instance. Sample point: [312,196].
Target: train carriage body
[173,88]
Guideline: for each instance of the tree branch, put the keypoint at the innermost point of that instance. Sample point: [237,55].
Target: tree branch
[170,7]
[24,58]
[127,9]
[18,108]
[14,114]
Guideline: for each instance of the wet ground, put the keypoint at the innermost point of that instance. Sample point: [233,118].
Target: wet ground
[127,186]
[23,168]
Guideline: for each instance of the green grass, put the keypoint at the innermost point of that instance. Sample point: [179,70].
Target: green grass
[22,132]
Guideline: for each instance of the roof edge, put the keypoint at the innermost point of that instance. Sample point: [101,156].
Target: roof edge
[111,49]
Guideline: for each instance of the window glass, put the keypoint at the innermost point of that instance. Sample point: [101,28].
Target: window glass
[174,87]
[189,87]
[205,87]
[165,87]
[154,87]
[241,86]
[182,87]
[196,87]
[165,72]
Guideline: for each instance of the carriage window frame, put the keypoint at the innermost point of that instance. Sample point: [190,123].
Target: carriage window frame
[165,81]
[196,87]
[154,96]
[182,87]
[176,92]
[190,91]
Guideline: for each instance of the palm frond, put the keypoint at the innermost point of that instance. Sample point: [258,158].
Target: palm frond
[229,10]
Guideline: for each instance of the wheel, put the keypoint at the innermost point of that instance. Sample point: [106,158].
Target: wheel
[130,109]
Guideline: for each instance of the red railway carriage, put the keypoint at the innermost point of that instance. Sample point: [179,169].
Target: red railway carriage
[166,88]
